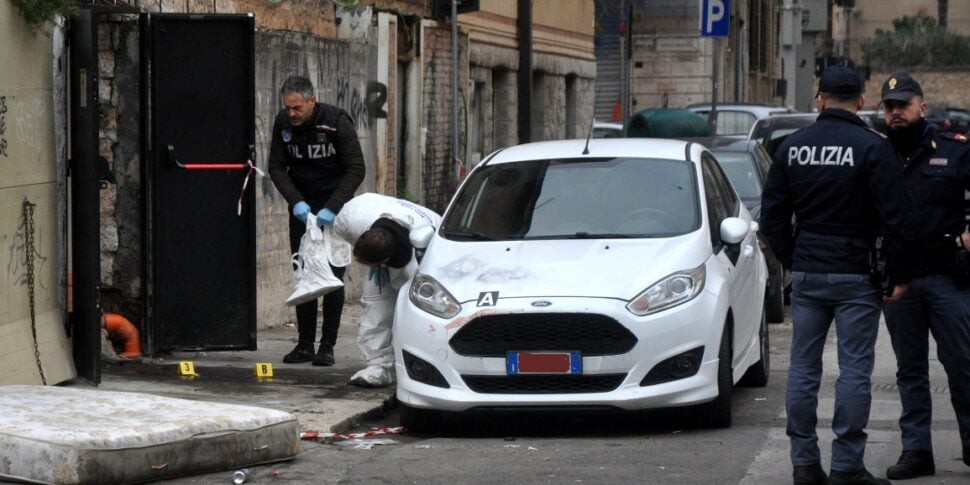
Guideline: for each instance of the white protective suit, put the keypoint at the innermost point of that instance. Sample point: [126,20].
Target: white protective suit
[379,297]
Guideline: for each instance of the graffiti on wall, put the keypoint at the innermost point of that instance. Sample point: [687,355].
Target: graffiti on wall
[20,121]
[3,126]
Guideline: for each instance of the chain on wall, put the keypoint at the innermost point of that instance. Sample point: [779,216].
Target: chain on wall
[29,262]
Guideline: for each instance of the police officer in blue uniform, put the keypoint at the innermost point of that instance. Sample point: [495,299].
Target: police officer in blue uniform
[316,162]
[844,187]
[936,167]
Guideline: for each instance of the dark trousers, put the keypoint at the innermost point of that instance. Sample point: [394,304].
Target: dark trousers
[932,304]
[333,302]
[852,301]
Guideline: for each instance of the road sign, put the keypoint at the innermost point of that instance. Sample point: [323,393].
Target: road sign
[715,18]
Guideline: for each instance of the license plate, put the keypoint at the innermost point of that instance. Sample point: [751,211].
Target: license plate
[517,363]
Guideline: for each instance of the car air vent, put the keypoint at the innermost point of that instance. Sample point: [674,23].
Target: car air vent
[543,384]
[590,333]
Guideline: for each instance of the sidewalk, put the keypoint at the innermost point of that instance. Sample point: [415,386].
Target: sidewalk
[321,398]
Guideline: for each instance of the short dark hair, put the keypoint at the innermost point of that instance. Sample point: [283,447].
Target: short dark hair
[374,245]
[840,98]
[297,85]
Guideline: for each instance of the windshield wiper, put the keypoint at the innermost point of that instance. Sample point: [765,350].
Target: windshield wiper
[471,236]
[587,235]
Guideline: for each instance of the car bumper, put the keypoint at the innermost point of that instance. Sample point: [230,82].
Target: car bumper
[697,323]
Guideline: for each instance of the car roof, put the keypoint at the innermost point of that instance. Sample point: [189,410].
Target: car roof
[607,124]
[598,147]
[791,120]
[758,109]
[725,144]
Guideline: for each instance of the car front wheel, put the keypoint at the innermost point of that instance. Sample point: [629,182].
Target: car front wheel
[775,294]
[717,413]
[418,420]
[757,374]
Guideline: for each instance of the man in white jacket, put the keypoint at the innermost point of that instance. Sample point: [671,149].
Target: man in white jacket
[378,227]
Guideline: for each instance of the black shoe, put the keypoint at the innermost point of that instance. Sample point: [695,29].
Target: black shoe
[858,477]
[324,356]
[912,464]
[300,354]
[809,475]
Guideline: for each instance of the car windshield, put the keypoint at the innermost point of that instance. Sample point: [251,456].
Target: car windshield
[576,199]
[741,170]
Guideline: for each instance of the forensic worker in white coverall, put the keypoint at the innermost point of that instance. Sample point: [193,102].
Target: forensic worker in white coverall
[378,227]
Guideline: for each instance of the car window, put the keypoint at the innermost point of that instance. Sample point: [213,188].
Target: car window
[580,198]
[605,132]
[721,201]
[734,122]
[742,170]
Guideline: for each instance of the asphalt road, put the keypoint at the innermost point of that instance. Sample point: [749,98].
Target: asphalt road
[663,447]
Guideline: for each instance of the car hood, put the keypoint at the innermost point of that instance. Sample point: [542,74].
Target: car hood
[598,268]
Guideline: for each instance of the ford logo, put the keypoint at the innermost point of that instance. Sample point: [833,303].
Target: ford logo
[541,303]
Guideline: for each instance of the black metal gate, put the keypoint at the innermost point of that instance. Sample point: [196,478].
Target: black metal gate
[201,229]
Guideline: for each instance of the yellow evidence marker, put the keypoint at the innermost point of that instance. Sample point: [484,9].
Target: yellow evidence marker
[187,368]
[264,369]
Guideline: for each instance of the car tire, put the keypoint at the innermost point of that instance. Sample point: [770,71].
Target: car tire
[757,374]
[419,420]
[775,297]
[717,413]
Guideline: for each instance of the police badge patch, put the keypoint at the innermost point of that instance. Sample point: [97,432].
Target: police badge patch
[287,136]
[321,137]
[939,162]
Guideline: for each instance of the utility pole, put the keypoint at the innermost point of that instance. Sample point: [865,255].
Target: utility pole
[524,28]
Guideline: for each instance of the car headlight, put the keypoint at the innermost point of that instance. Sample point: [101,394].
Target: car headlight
[429,295]
[673,290]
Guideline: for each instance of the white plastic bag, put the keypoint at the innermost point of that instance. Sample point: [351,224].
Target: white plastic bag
[312,276]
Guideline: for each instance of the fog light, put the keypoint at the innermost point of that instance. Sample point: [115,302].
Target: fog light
[422,371]
[677,367]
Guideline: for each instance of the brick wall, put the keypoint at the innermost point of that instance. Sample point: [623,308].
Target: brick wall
[440,175]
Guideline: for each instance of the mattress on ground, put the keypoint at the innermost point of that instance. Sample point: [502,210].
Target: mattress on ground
[68,435]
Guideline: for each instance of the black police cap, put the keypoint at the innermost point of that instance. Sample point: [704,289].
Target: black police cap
[900,87]
[840,80]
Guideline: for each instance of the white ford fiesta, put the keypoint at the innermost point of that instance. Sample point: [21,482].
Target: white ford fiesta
[613,273]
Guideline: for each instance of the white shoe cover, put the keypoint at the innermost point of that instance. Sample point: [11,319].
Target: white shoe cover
[372,376]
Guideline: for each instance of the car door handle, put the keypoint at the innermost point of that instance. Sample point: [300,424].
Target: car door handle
[748,250]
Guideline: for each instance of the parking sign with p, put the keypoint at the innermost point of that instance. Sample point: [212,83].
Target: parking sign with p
[715,18]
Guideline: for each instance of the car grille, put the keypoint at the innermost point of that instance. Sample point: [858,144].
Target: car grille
[589,333]
[545,384]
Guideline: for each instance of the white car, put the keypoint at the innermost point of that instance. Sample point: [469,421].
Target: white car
[621,273]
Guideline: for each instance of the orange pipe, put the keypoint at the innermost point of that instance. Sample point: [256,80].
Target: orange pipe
[120,326]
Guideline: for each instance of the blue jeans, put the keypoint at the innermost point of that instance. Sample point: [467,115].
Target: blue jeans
[932,304]
[854,302]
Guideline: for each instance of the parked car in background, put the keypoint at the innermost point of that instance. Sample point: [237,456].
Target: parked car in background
[621,274]
[771,132]
[945,118]
[602,129]
[736,119]
[746,164]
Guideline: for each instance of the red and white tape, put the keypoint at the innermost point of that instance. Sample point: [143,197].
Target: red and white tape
[317,436]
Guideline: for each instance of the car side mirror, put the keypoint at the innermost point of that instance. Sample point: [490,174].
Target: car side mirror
[734,230]
[420,239]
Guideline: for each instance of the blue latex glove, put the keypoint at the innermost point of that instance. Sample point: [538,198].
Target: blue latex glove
[301,210]
[379,275]
[325,217]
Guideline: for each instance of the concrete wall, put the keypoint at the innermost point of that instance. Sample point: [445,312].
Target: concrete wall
[29,172]
[869,15]
[940,88]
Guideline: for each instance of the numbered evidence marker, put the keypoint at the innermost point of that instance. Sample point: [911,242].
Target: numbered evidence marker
[264,369]
[187,368]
